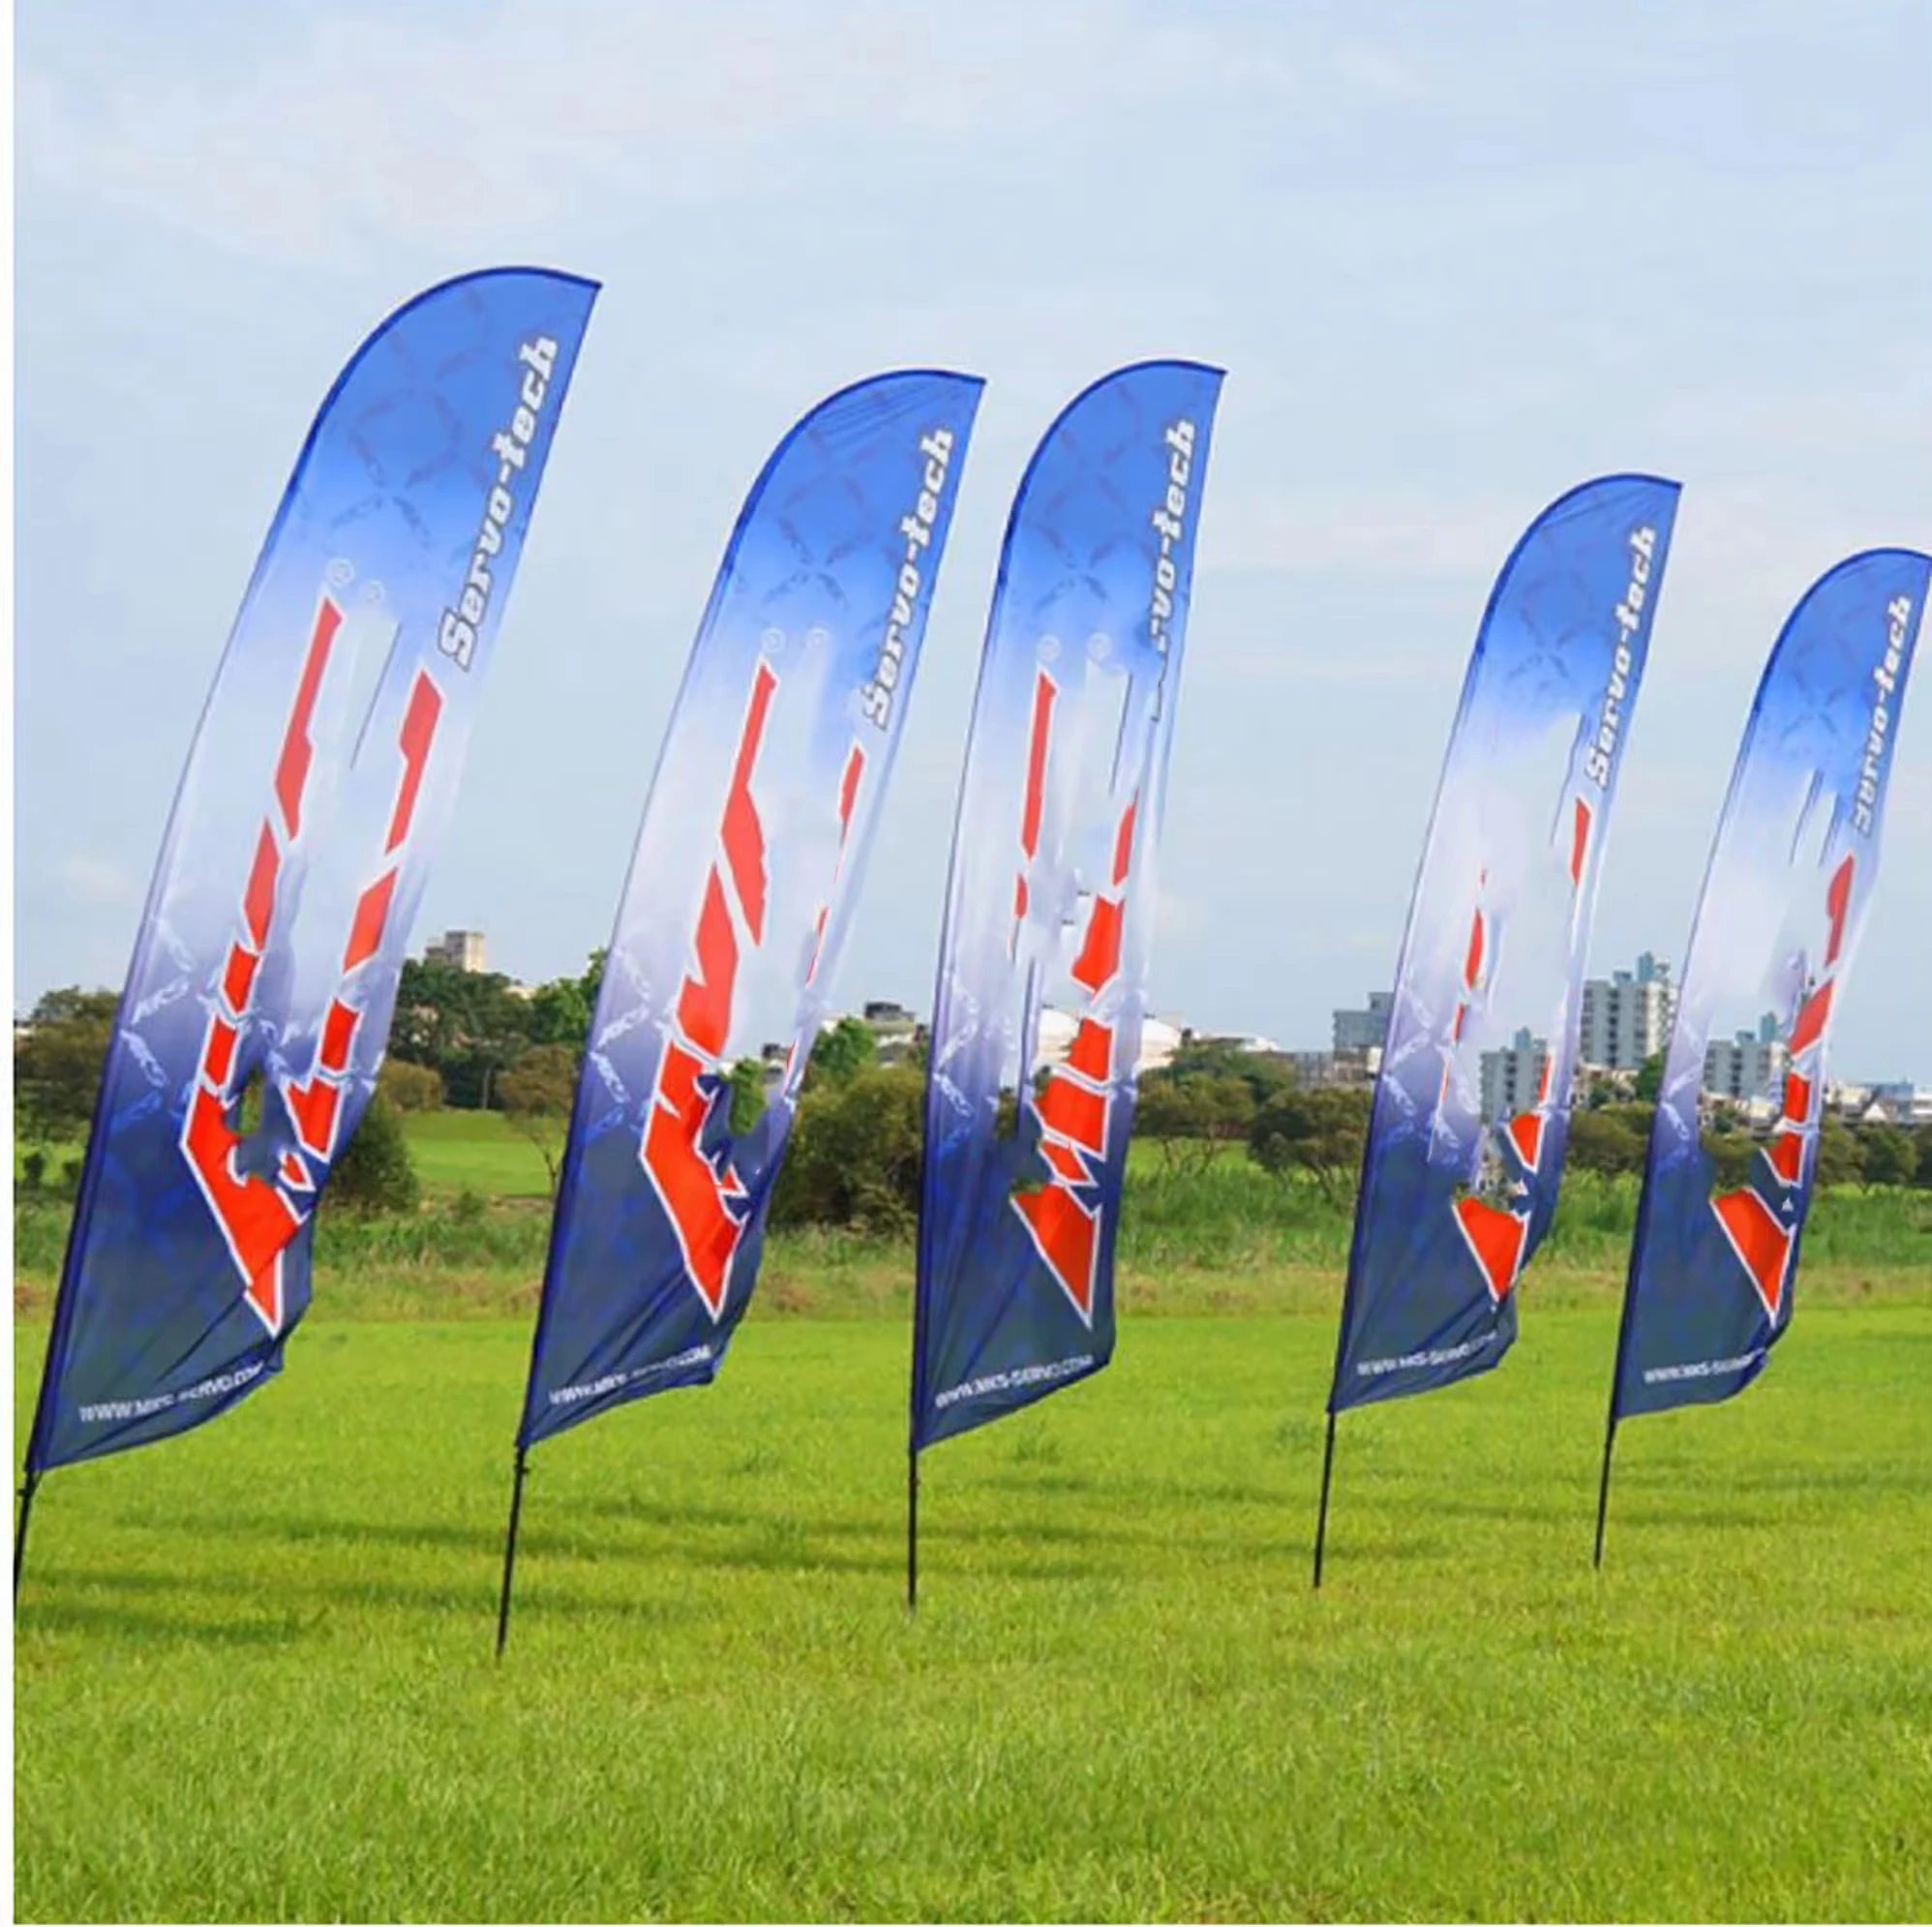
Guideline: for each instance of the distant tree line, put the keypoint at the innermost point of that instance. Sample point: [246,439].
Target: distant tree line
[468,1027]
[1213,1098]
[468,1039]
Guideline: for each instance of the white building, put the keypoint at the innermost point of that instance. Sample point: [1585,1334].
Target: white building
[1903,1103]
[1847,1101]
[1626,1016]
[1250,1043]
[1343,1069]
[1513,1077]
[460,949]
[895,1031]
[1364,1029]
[1745,1068]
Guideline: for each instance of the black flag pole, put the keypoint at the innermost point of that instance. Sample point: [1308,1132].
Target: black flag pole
[912,1426]
[1603,1488]
[510,1551]
[1321,1517]
[30,1484]
[1616,1369]
[912,1528]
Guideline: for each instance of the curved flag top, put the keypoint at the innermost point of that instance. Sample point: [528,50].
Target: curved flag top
[754,838]
[294,860]
[1783,900]
[1048,913]
[1471,1109]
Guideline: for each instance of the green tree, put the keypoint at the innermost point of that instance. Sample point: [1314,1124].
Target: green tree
[841,1052]
[1649,1085]
[747,1095]
[410,1087]
[1602,1141]
[1264,1073]
[536,1093]
[1838,1161]
[854,1153]
[1318,1132]
[374,1172]
[57,1064]
[1192,1116]
[559,1012]
[1887,1156]
[465,1024]
[1922,1139]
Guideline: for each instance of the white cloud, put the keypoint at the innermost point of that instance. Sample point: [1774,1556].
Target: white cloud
[94,882]
[1310,532]
[363,129]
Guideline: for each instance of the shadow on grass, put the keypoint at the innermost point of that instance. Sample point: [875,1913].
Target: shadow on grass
[1016,1532]
[484,1541]
[148,1628]
[58,1601]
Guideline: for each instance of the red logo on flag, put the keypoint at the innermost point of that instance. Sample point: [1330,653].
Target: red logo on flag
[1759,1234]
[702,1197]
[1073,1108]
[258,1217]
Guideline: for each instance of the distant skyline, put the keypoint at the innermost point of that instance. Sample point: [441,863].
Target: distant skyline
[1454,260]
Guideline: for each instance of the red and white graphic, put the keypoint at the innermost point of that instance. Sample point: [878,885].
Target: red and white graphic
[1761,1233]
[258,1217]
[848,796]
[1074,1108]
[1045,692]
[1580,846]
[702,1197]
[1499,1236]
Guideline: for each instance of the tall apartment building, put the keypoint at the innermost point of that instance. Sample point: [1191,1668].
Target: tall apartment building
[1513,1077]
[1751,1065]
[460,949]
[1364,1029]
[1626,1017]
[1748,1066]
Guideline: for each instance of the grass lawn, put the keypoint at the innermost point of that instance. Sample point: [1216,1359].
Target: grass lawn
[475,1151]
[254,1673]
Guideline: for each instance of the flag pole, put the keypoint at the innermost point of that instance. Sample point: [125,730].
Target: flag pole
[912,1528]
[30,1484]
[1321,1518]
[510,1551]
[1603,1488]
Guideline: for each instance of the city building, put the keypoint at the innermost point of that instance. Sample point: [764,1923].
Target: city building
[1747,1068]
[1315,1070]
[1626,1016]
[1903,1103]
[1248,1042]
[895,1030]
[1358,1031]
[459,949]
[1513,1077]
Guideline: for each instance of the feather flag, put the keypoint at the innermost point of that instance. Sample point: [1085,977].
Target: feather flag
[1785,897]
[1471,1107]
[293,860]
[1049,910]
[747,866]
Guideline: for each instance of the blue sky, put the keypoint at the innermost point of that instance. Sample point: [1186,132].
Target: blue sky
[1454,260]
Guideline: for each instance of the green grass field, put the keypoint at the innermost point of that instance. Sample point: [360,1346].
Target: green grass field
[475,1151]
[254,1673]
